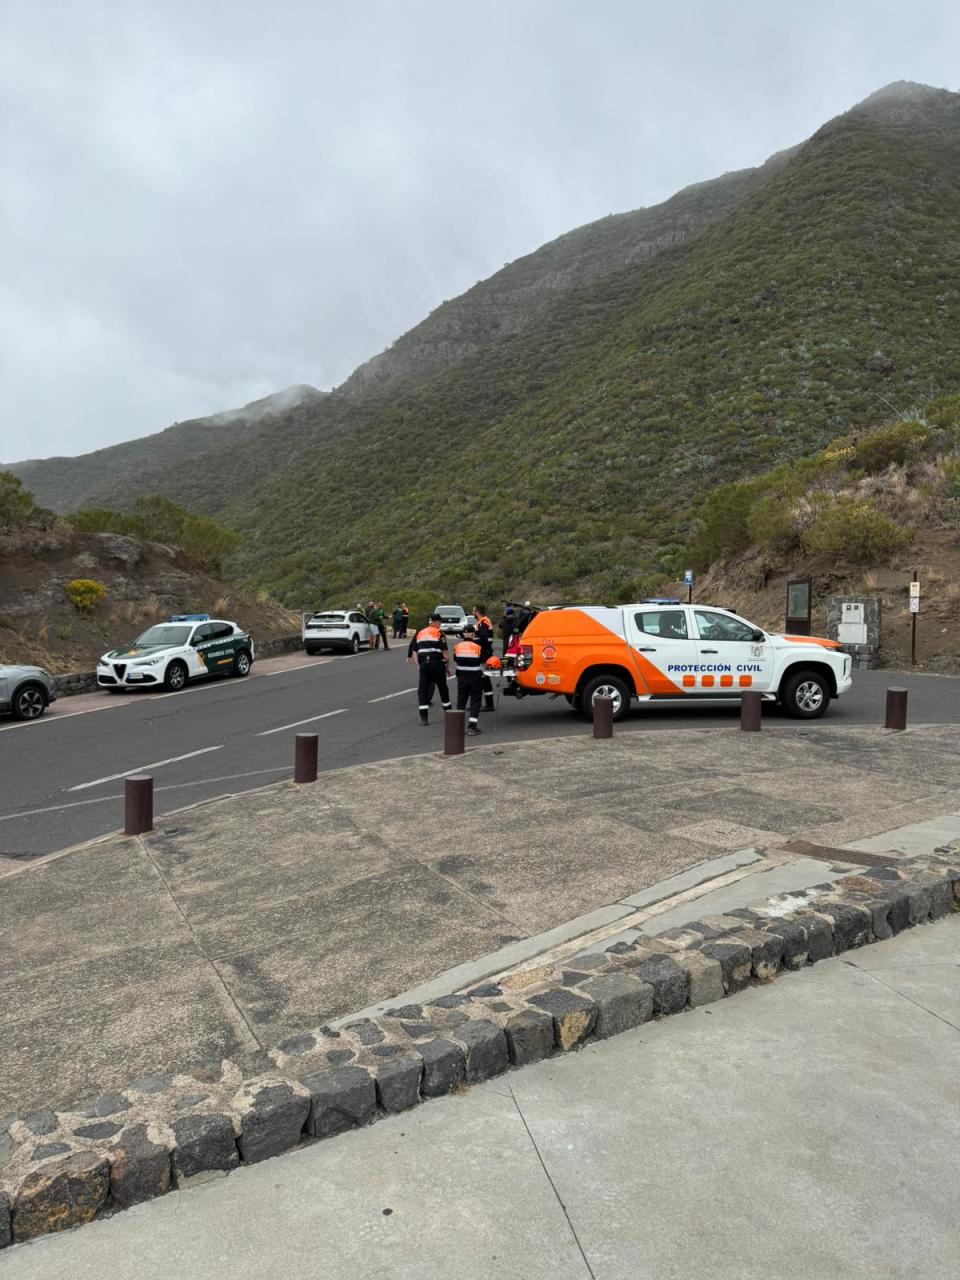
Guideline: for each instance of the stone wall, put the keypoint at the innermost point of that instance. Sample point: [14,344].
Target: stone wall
[867,654]
[60,1169]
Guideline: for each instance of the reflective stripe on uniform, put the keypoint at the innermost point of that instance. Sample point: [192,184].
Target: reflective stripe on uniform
[429,643]
[467,657]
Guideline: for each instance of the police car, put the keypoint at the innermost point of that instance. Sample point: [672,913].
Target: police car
[188,647]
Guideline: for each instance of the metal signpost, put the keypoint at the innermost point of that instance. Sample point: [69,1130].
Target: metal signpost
[914,610]
[688,583]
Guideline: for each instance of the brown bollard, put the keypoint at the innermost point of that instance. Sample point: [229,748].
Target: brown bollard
[896,709]
[454,731]
[602,717]
[750,712]
[305,757]
[137,804]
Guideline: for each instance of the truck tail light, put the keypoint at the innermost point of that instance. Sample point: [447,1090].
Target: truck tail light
[525,657]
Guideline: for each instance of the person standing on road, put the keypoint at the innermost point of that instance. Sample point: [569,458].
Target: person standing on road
[404,621]
[468,664]
[380,621]
[396,617]
[370,613]
[507,626]
[428,649]
[484,630]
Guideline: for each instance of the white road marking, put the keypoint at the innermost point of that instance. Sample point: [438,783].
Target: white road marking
[175,786]
[58,717]
[320,662]
[156,764]
[387,696]
[310,719]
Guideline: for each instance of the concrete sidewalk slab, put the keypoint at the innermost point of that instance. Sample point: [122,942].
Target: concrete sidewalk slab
[806,1129]
[289,906]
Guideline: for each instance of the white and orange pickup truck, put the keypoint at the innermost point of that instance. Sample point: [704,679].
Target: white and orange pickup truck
[656,652]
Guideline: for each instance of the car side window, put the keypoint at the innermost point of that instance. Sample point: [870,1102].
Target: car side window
[220,630]
[670,624]
[357,617]
[720,626]
[202,633]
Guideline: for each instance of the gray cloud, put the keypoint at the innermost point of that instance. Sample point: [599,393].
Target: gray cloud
[203,202]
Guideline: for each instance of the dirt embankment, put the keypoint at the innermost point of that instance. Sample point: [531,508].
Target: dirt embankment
[750,587]
[145,581]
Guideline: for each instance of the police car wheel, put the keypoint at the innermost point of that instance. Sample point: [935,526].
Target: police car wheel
[175,677]
[805,696]
[241,663]
[607,687]
[355,644]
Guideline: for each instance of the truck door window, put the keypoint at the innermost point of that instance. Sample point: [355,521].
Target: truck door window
[670,624]
[720,626]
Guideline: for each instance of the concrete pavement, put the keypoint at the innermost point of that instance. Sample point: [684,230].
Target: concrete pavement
[805,1130]
[242,921]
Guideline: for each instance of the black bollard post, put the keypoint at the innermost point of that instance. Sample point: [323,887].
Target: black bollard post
[305,757]
[750,713]
[896,709]
[454,732]
[137,804]
[602,717]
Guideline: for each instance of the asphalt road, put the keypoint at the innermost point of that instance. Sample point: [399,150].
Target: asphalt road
[61,777]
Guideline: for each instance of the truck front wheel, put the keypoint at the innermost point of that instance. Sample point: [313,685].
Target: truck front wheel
[805,695]
[606,686]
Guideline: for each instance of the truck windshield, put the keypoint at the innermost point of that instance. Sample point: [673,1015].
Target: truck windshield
[165,635]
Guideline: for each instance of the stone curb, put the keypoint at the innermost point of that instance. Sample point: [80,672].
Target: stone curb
[59,1169]
[86,681]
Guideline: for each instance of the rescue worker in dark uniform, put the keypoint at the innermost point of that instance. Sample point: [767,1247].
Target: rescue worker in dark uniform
[485,641]
[468,665]
[428,649]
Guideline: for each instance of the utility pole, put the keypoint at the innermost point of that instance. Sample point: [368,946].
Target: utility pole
[914,610]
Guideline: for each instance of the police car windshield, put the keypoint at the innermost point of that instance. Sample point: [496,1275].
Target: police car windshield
[450,613]
[166,635]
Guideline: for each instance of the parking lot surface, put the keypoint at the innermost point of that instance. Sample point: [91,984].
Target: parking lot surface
[62,776]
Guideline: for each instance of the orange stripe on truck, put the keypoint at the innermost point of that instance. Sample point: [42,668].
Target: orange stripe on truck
[820,640]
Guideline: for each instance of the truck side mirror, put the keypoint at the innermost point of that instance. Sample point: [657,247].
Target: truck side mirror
[758,636]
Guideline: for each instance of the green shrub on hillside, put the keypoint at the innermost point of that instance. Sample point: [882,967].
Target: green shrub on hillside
[85,593]
[855,531]
[157,519]
[16,502]
[721,527]
[899,443]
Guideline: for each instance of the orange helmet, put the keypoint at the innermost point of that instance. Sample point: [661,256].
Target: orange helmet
[493,662]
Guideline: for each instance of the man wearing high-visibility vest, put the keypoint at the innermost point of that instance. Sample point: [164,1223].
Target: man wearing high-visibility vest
[468,665]
[428,649]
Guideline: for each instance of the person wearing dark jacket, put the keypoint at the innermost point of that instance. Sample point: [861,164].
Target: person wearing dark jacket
[380,621]
[428,649]
[484,629]
[507,625]
[468,665]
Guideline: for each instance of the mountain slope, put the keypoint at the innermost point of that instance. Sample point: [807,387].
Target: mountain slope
[567,456]
[556,426]
[235,445]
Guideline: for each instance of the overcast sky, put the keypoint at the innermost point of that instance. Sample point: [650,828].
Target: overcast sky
[203,202]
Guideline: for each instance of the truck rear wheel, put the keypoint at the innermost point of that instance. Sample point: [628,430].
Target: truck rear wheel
[606,686]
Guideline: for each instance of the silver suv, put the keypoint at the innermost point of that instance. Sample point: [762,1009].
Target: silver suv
[26,691]
[452,618]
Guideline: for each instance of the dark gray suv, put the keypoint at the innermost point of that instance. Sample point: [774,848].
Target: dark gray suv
[26,691]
